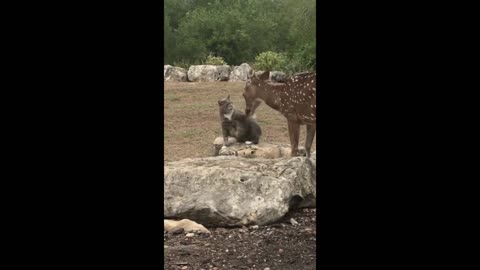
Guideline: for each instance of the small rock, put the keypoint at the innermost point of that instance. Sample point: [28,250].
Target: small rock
[280,251]
[293,222]
[222,230]
[254,227]
[190,235]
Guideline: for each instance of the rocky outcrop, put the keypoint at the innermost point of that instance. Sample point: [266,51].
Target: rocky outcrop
[167,70]
[208,73]
[240,73]
[175,74]
[223,72]
[185,225]
[261,150]
[236,191]
[202,73]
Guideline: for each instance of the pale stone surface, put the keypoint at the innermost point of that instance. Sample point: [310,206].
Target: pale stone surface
[223,72]
[202,73]
[218,143]
[236,191]
[186,224]
[261,150]
[176,74]
[240,73]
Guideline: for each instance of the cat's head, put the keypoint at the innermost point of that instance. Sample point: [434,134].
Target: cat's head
[226,105]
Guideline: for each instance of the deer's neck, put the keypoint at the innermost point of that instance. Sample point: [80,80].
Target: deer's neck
[270,94]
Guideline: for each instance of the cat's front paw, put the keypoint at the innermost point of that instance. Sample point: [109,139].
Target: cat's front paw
[225,151]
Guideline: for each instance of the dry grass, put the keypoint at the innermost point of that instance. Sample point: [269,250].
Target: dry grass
[192,120]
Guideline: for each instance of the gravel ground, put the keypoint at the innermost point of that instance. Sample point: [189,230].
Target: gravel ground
[276,246]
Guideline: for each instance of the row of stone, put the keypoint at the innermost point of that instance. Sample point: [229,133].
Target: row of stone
[211,73]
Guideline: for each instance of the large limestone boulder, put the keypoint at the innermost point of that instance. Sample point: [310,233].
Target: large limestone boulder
[223,72]
[202,73]
[176,74]
[167,69]
[185,224]
[240,73]
[236,191]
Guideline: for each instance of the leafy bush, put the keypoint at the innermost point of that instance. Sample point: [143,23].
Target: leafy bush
[215,60]
[302,59]
[269,61]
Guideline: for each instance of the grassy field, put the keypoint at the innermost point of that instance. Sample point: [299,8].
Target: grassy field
[191,118]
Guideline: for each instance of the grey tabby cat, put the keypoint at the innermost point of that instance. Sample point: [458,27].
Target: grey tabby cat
[236,124]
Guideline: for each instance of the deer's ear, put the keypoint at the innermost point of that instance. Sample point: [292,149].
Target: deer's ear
[250,74]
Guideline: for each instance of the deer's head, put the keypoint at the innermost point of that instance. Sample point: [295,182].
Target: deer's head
[252,88]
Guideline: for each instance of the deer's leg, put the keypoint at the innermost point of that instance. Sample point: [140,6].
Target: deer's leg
[294,133]
[311,129]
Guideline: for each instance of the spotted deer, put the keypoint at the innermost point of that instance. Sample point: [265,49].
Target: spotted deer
[296,100]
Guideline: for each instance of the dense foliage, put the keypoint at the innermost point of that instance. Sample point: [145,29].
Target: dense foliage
[239,31]
[215,60]
[269,61]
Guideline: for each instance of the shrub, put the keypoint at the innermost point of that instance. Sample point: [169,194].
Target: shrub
[215,60]
[302,60]
[269,61]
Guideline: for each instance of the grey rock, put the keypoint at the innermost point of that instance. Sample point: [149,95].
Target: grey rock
[240,73]
[236,191]
[293,222]
[261,150]
[167,70]
[202,73]
[223,72]
[176,74]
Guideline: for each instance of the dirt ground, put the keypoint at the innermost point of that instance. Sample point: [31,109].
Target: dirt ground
[191,124]
[277,246]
